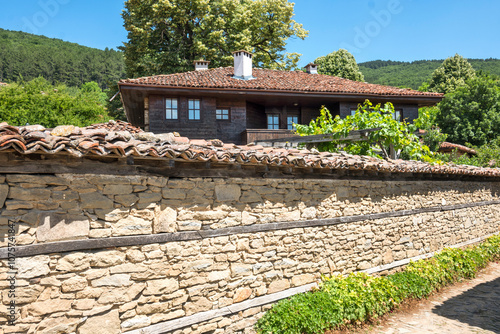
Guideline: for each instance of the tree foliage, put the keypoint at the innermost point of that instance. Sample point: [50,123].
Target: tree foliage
[340,64]
[167,36]
[399,135]
[30,56]
[471,114]
[453,73]
[39,102]
[427,120]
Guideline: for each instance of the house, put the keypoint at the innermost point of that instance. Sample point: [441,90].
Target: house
[242,104]
[3,84]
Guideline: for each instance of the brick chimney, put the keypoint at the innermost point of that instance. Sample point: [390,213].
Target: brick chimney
[242,65]
[201,65]
[312,68]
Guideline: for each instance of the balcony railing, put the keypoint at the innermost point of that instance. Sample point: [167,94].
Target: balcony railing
[252,135]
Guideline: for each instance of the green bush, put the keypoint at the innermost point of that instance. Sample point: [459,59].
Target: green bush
[359,297]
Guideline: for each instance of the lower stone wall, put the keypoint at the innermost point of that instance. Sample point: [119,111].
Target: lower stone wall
[91,264]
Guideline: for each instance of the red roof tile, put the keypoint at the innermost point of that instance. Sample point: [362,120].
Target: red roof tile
[289,81]
[101,141]
[448,147]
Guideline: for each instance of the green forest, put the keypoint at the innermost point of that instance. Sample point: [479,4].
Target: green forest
[413,74]
[29,56]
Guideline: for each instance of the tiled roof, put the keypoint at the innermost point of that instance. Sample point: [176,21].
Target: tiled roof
[3,84]
[104,141]
[447,147]
[273,80]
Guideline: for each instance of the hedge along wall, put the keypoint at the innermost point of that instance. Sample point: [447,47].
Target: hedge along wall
[151,254]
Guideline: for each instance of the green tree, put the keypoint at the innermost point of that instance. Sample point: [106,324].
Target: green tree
[471,114]
[453,73]
[38,102]
[167,36]
[392,133]
[427,120]
[340,64]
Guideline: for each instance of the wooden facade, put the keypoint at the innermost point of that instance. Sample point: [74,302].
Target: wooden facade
[237,118]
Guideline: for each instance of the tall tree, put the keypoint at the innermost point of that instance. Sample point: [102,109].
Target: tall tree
[167,36]
[453,73]
[471,113]
[340,64]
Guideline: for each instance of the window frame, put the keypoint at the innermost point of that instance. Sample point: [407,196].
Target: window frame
[228,119]
[273,115]
[167,110]
[189,110]
[296,116]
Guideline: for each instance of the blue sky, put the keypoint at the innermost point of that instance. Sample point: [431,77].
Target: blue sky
[370,29]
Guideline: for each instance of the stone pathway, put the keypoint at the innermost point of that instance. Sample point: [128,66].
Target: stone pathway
[472,306]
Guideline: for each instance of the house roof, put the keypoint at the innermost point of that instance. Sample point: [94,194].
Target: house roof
[272,80]
[449,147]
[3,84]
[120,140]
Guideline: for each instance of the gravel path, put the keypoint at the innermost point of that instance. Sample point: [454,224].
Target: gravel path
[472,306]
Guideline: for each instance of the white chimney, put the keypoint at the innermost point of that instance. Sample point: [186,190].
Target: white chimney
[242,65]
[312,68]
[201,65]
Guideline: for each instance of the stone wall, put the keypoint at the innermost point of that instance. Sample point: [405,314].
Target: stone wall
[110,254]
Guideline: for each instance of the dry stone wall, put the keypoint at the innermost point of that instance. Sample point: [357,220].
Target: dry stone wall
[111,254]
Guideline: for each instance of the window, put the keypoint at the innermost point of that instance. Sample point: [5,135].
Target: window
[171,108]
[273,122]
[290,121]
[397,115]
[353,112]
[194,109]
[222,114]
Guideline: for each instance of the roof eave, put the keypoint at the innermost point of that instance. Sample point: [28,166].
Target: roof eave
[280,92]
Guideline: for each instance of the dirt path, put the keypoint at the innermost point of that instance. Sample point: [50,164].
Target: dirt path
[472,306]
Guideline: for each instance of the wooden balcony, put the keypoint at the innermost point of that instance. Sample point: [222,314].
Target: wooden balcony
[251,135]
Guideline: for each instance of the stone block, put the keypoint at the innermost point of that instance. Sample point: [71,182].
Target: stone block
[126,200]
[216,276]
[74,284]
[165,220]
[304,279]
[121,295]
[49,306]
[30,267]
[128,268]
[36,194]
[242,294]
[95,200]
[200,305]
[107,258]
[168,193]
[250,196]
[113,280]
[189,226]
[132,226]
[56,227]
[278,286]
[108,323]
[137,322]
[238,269]
[227,193]
[161,286]
[73,262]
[117,189]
